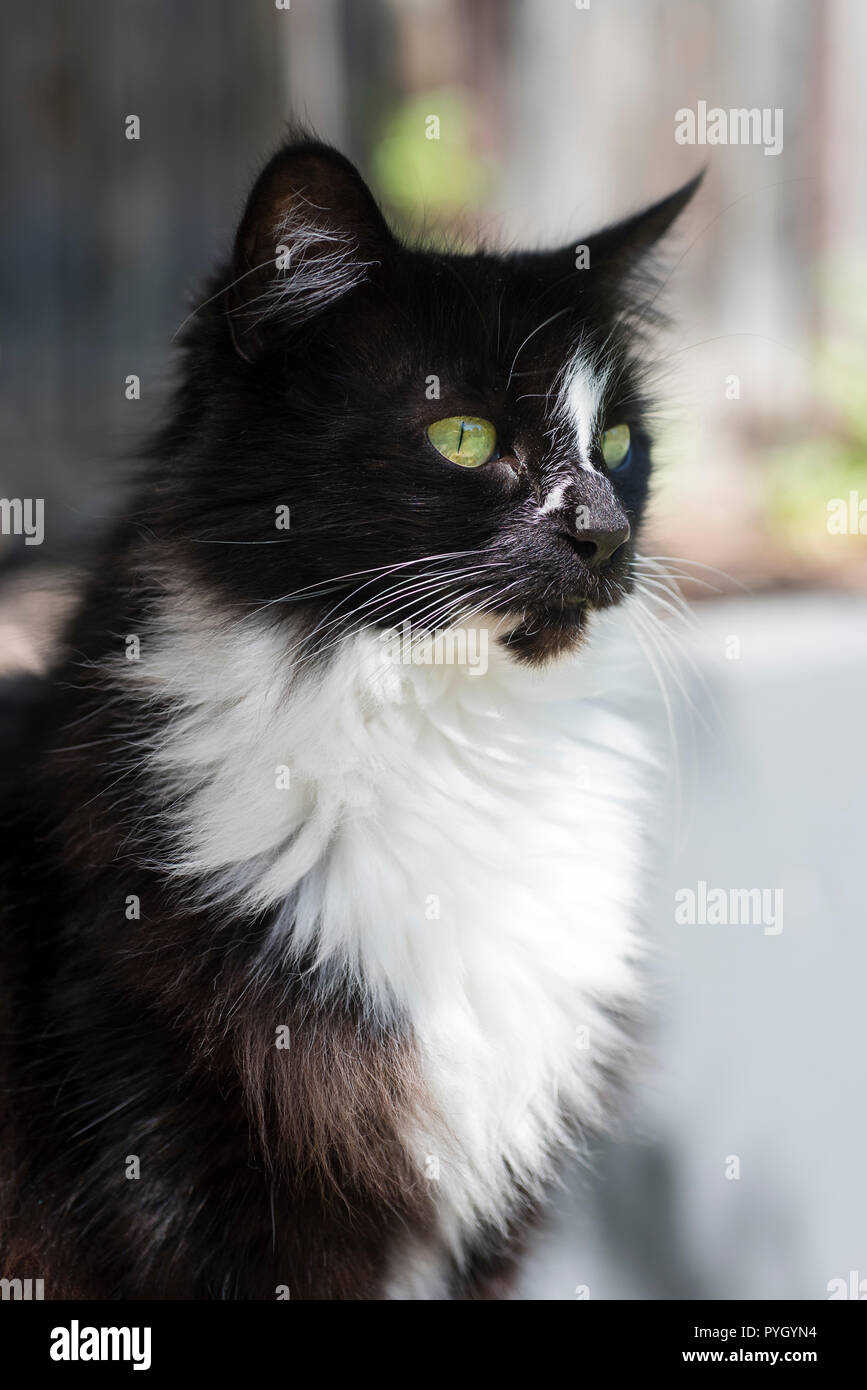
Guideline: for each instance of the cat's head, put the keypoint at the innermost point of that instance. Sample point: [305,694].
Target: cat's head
[371,432]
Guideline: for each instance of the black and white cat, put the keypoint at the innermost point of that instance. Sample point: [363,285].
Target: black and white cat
[319,944]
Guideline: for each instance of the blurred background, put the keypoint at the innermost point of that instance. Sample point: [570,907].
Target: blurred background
[553,117]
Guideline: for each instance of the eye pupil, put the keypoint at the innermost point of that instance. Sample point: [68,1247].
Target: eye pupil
[616,444]
[464,439]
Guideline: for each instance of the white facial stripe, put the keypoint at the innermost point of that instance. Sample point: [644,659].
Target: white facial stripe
[581,401]
[555,498]
[578,409]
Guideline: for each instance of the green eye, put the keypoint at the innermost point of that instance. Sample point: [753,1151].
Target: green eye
[615,446]
[464,439]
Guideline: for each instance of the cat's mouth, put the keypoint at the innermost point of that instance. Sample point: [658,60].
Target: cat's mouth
[546,629]
[548,619]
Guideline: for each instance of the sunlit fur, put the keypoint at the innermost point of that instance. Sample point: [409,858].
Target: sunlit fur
[463,850]
[345,950]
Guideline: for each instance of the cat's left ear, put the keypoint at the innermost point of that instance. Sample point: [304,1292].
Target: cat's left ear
[622,244]
[311,234]
[610,254]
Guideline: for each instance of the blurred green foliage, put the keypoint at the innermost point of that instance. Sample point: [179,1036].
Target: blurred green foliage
[426,164]
[802,476]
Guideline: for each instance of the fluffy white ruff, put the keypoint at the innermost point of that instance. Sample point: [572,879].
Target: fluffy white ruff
[467,848]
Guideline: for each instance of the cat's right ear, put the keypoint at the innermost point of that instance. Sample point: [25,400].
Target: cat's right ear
[311,233]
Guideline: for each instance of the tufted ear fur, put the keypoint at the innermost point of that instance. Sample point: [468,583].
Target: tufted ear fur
[311,233]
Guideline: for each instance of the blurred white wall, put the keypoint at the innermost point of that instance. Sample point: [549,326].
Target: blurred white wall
[758,1052]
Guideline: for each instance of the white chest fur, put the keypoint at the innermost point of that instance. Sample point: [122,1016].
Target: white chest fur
[468,846]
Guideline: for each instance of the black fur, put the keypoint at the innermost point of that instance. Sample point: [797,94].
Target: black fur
[155,1037]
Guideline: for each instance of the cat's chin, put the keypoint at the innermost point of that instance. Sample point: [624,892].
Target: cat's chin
[539,635]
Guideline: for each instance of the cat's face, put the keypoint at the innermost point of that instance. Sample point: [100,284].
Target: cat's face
[370,433]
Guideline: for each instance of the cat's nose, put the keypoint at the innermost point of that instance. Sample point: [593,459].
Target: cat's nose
[595,545]
[592,520]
